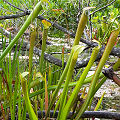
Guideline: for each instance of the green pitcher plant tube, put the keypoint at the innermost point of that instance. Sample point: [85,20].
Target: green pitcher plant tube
[79,32]
[32,42]
[45,32]
[109,46]
[46,25]
[81,25]
[116,65]
[30,19]
[30,110]
[75,50]
[80,82]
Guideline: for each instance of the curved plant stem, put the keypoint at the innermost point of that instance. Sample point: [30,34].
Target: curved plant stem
[115,67]
[105,56]
[79,84]
[81,26]
[30,19]
[53,87]
[27,100]
[99,103]
[75,50]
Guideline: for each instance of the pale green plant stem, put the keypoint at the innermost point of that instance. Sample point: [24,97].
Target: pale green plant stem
[105,56]
[79,84]
[72,84]
[75,50]
[30,19]
[87,80]
[98,86]
[99,103]
[45,32]
[59,84]
[81,26]
[31,112]
[116,65]
[32,43]
[63,57]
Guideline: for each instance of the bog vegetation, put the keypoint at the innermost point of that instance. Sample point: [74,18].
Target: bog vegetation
[36,85]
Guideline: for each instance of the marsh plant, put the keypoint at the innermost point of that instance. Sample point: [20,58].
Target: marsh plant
[35,88]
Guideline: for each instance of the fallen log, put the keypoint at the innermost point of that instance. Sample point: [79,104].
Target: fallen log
[48,57]
[52,59]
[86,114]
[115,51]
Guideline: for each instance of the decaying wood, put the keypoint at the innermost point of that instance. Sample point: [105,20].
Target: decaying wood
[13,16]
[86,114]
[37,51]
[52,59]
[109,73]
[115,51]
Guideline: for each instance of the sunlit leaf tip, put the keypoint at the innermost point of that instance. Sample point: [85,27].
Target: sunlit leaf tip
[46,24]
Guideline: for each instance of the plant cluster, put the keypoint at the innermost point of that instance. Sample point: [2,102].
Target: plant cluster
[31,88]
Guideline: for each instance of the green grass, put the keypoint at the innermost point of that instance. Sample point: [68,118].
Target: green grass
[31,97]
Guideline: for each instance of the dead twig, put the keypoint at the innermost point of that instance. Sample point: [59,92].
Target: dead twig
[102,8]
[109,73]
[14,16]
[13,5]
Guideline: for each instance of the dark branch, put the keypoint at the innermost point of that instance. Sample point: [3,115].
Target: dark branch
[89,43]
[115,51]
[14,16]
[86,114]
[37,51]
[109,73]
[102,7]
[40,18]
[13,5]
[50,58]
